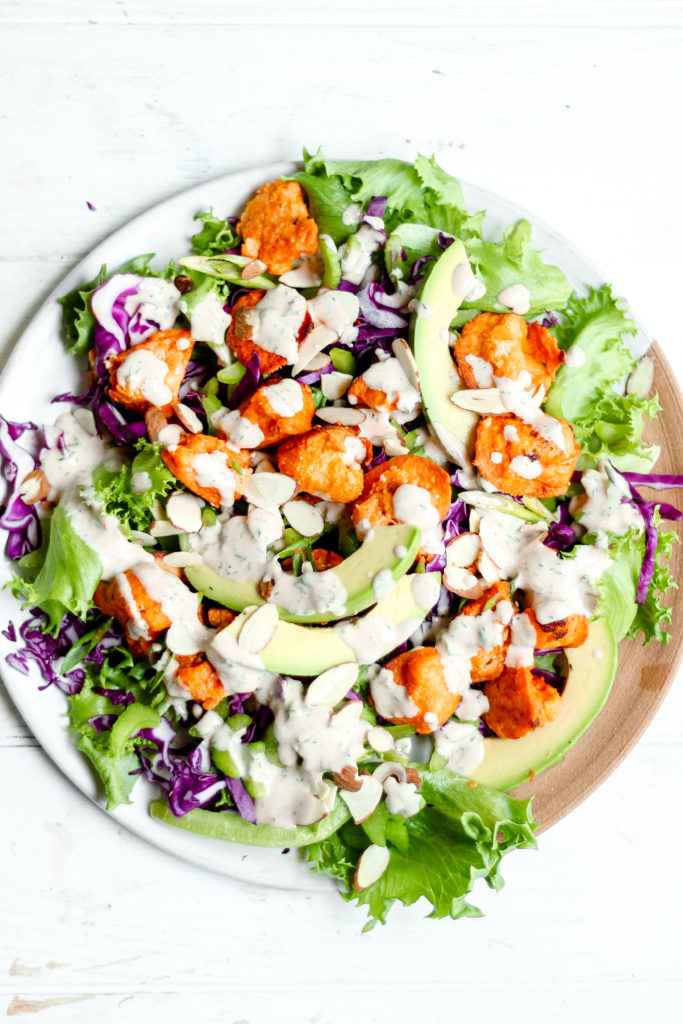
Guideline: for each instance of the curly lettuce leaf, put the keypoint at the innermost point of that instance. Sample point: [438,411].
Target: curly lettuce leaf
[514,260]
[461,834]
[618,586]
[614,431]
[113,487]
[61,576]
[216,235]
[422,192]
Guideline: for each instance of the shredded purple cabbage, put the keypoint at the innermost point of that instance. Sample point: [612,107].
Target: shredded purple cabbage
[549,320]
[186,780]
[444,240]
[554,678]
[561,537]
[376,313]
[416,271]
[117,697]
[657,481]
[241,799]
[347,286]
[102,723]
[314,376]
[377,206]
[19,519]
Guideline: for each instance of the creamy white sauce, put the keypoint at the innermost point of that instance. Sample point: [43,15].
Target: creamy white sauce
[239,431]
[186,634]
[465,636]
[170,435]
[473,704]
[496,458]
[371,636]
[289,799]
[312,735]
[560,587]
[389,697]
[402,797]
[142,371]
[482,370]
[383,583]
[286,398]
[515,297]
[335,310]
[520,653]
[211,470]
[504,537]
[209,321]
[354,452]
[463,280]
[517,399]
[526,466]
[413,505]
[237,547]
[462,744]
[238,670]
[154,306]
[605,510]
[356,254]
[353,214]
[140,482]
[277,320]
[102,533]
[137,627]
[72,461]
[510,433]
[390,378]
[574,356]
[312,592]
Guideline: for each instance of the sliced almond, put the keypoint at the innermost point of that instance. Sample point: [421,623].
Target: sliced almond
[394,445]
[349,715]
[188,418]
[403,353]
[146,539]
[463,550]
[488,569]
[182,559]
[343,416]
[155,421]
[348,779]
[34,487]
[475,519]
[318,362]
[462,582]
[253,269]
[180,640]
[304,518]
[642,378]
[259,629]
[331,686]
[162,528]
[363,801]
[319,338]
[387,768]
[380,739]
[372,864]
[85,419]
[269,490]
[184,511]
[335,385]
[479,400]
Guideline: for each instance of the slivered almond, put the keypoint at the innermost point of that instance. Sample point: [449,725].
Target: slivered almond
[479,400]
[319,362]
[335,385]
[487,567]
[185,511]
[462,582]
[380,739]
[406,358]
[331,686]
[387,768]
[34,487]
[305,518]
[342,416]
[372,864]
[182,559]
[155,421]
[463,550]
[162,528]
[319,338]
[253,269]
[364,800]
[394,445]
[269,490]
[348,779]
[258,630]
[188,418]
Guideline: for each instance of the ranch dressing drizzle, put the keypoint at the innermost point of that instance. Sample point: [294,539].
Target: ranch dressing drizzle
[285,398]
[517,399]
[371,636]
[390,378]
[179,604]
[239,431]
[238,670]
[140,482]
[504,537]
[389,697]
[102,533]
[289,799]
[137,628]
[515,297]
[334,310]
[211,470]
[560,587]
[277,321]
[354,451]
[402,797]
[311,592]
[462,744]
[71,461]
[465,636]
[156,300]
[142,371]
[482,370]
[574,356]
[237,546]
[356,255]
[208,320]
[525,466]
[605,510]
[520,653]
[413,505]
[311,733]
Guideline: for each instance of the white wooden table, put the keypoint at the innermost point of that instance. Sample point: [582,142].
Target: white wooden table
[572,109]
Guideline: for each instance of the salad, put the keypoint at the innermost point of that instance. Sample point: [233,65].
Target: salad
[337,543]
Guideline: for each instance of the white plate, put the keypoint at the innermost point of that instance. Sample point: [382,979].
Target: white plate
[39,368]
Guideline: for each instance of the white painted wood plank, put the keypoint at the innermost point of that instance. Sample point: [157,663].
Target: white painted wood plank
[608,13]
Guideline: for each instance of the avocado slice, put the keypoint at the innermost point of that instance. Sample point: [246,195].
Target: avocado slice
[356,574]
[444,290]
[507,763]
[309,650]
